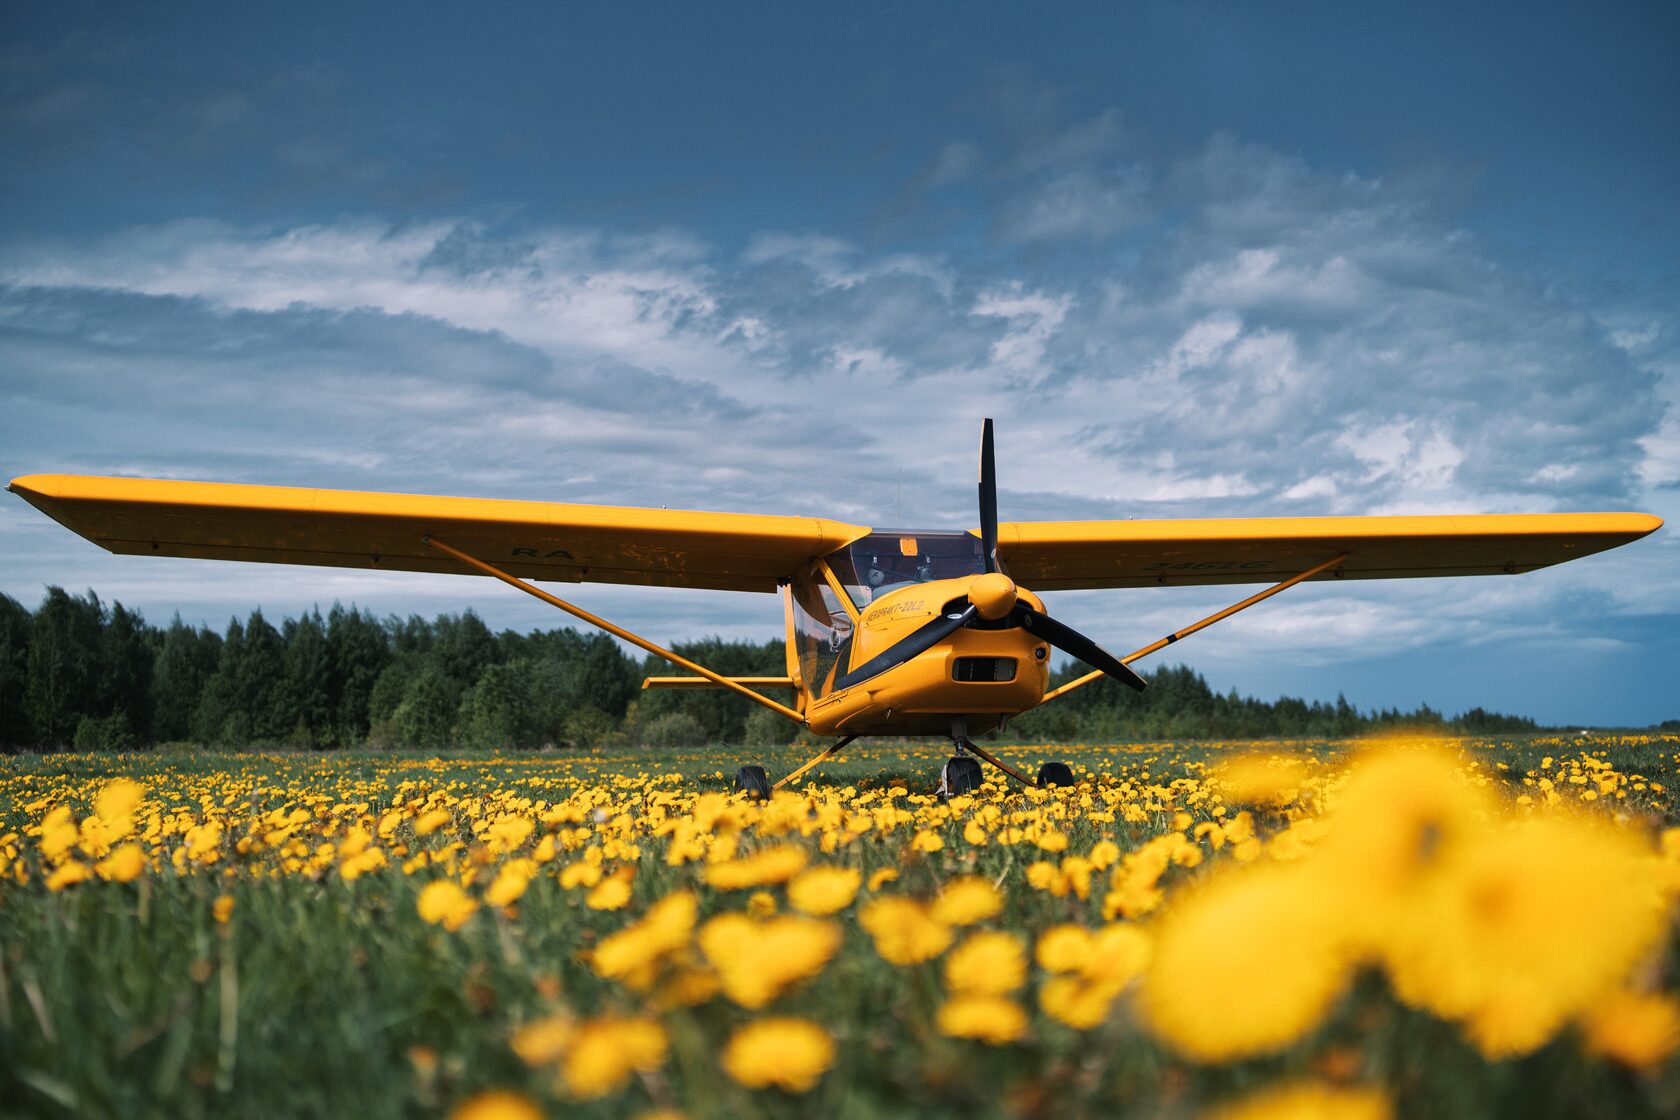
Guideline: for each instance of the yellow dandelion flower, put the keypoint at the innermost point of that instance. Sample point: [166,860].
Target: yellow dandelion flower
[630,953]
[991,1019]
[498,1104]
[582,873]
[510,830]
[790,1054]
[1075,1001]
[68,874]
[821,891]
[613,892]
[443,903]
[543,1041]
[1064,948]
[761,904]
[222,909]
[431,821]
[904,930]
[118,798]
[1309,1100]
[123,865]
[927,840]
[1636,1029]
[604,1052]
[1262,945]
[757,960]
[1262,779]
[1526,929]
[510,882]
[763,868]
[58,832]
[967,900]
[988,963]
[881,878]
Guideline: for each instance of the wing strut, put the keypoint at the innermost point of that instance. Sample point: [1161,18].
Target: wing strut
[827,754]
[1161,643]
[615,631]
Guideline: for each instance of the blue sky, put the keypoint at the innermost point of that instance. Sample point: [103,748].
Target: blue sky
[1197,258]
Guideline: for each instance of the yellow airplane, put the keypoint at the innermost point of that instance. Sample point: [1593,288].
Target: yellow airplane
[889,631]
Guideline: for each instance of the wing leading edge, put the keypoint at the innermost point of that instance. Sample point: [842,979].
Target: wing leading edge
[752,552]
[358,529]
[1064,555]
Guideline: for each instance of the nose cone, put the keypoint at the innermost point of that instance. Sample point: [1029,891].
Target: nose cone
[993,595]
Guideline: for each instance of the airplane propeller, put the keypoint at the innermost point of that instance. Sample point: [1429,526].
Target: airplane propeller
[992,597]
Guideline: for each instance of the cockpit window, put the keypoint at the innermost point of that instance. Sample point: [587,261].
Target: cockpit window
[883,561]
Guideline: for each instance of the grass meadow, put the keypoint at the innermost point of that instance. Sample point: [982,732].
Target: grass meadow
[1436,928]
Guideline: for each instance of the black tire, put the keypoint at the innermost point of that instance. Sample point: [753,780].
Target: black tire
[1054,774]
[753,781]
[961,775]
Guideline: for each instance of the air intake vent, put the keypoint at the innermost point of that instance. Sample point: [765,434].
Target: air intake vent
[993,669]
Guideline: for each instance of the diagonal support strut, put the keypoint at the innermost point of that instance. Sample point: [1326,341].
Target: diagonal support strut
[1162,643]
[615,631]
[823,757]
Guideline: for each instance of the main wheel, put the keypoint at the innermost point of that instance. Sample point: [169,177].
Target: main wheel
[1054,774]
[961,775]
[753,781]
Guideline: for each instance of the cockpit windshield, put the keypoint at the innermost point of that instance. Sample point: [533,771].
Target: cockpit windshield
[889,559]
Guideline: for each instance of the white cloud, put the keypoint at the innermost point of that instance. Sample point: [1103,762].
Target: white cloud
[1291,342]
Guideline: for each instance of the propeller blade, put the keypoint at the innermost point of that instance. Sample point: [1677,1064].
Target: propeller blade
[924,638]
[1075,644]
[988,500]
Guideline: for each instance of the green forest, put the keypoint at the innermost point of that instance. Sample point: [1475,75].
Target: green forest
[79,673]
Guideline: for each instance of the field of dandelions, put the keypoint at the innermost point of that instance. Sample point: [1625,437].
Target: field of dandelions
[1400,928]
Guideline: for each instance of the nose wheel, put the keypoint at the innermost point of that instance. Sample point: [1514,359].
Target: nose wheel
[1055,774]
[960,775]
[753,781]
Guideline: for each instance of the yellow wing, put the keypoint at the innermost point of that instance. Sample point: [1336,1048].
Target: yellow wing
[354,529]
[1061,555]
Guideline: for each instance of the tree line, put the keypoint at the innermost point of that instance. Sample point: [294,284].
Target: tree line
[76,672]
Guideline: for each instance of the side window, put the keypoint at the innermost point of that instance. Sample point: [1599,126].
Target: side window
[824,632]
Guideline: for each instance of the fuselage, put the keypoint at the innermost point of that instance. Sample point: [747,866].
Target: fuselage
[863,600]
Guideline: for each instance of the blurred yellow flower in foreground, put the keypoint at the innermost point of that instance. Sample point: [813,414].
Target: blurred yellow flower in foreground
[1262,945]
[988,963]
[1637,1029]
[498,1104]
[119,798]
[1096,966]
[821,891]
[904,931]
[122,865]
[431,821]
[1526,929]
[222,908]
[790,1054]
[761,869]
[967,900]
[443,903]
[603,1053]
[631,953]
[757,960]
[987,1018]
[543,1041]
[1309,1100]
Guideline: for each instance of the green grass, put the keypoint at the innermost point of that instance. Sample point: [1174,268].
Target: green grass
[328,998]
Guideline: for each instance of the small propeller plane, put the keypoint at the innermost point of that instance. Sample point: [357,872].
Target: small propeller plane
[889,631]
